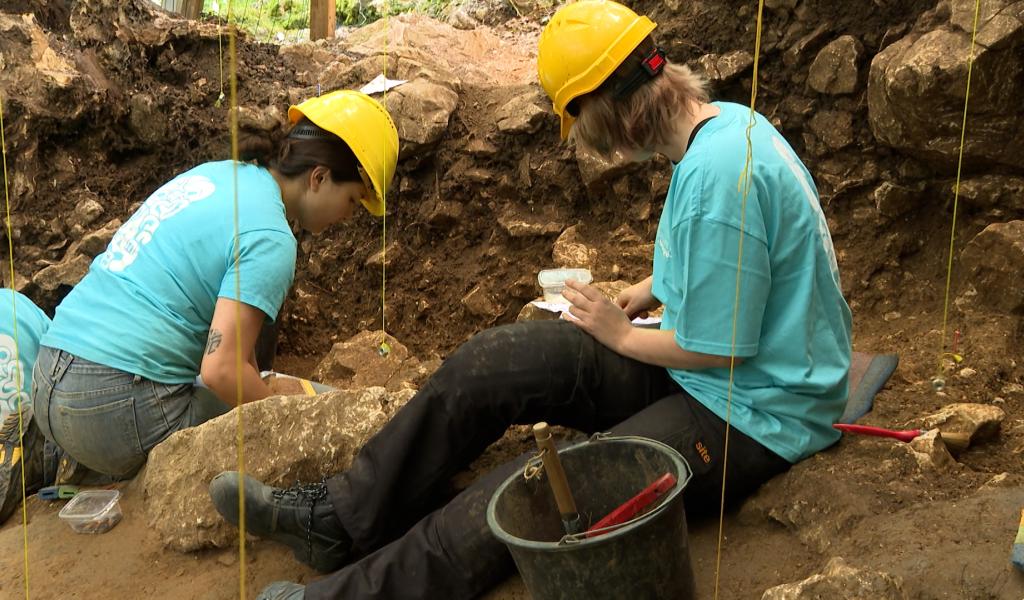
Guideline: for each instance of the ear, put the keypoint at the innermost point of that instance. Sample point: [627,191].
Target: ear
[317,176]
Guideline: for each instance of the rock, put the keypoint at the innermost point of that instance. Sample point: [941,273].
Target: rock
[724,68]
[596,171]
[521,115]
[147,119]
[916,98]
[531,312]
[777,4]
[998,20]
[357,363]
[266,119]
[92,244]
[794,53]
[994,264]
[86,211]
[569,251]
[1002,191]
[287,439]
[840,581]
[834,70]
[481,304]
[421,110]
[893,200]
[391,253]
[519,226]
[979,421]
[931,452]
[481,148]
[68,272]
[833,128]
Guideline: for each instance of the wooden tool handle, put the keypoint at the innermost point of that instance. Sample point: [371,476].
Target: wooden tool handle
[556,474]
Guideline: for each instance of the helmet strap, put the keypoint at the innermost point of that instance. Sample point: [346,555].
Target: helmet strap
[650,67]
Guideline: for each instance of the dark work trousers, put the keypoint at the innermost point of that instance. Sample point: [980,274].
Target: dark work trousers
[392,500]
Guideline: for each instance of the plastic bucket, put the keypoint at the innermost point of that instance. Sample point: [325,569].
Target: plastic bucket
[646,557]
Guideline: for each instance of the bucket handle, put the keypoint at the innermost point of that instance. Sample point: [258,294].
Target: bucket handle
[576,538]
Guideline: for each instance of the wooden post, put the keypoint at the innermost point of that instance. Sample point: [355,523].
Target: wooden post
[321,19]
[191,9]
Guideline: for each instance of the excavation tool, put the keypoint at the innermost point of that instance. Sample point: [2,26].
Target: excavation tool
[556,477]
[635,505]
[955,442]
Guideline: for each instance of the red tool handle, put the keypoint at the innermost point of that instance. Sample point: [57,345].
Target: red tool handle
[635,505]
[905,435]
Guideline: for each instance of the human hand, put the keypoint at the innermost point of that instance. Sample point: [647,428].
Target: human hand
[596,315]
[637,300]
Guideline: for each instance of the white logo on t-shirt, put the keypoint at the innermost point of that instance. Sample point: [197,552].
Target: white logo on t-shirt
[812,198]
[166,202]
[10,394]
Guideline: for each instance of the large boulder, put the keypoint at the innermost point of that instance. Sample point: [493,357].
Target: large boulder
[916,89]
[287,439]
[840,581]
[421,110]
[994,264]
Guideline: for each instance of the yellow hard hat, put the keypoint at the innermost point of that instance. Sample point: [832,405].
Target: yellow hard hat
[582,45]
[367,128]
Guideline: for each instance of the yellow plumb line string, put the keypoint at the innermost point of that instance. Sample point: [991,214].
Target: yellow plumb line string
[384,227]
[17,350]
[956,198]
[743,186]
[239,429]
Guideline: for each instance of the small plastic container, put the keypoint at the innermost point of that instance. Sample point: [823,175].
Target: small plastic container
[92,511]
[552,281]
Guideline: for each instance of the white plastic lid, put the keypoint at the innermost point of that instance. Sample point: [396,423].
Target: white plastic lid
[557,277]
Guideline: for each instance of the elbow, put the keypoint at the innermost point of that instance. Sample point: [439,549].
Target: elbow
[220,379]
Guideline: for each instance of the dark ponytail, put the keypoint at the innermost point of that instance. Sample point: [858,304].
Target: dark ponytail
[304,147]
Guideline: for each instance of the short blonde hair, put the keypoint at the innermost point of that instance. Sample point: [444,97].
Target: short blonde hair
[643,119]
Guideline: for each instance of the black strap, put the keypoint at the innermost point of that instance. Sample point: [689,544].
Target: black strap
[696,128]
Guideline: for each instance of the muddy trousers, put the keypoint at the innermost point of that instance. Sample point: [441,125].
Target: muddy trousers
[395,500]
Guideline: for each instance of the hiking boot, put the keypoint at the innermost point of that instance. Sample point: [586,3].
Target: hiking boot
[283,590]
[16,458]
[301,517]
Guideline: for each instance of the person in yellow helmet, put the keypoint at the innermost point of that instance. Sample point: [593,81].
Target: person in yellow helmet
[176,294]
[388,524]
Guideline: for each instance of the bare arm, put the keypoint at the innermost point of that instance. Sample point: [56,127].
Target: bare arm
[219,369]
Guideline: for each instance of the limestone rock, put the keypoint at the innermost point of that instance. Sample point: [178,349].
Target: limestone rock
[931,452]
[723,68]
[1000,191]
[519,226]
[521,115]
[287,439]
[95,242]
[421,110]
[795,53]
[357,363]
[979,421]
[835,69]
[480,303]
[999,21]
[893,200]
[916,96]
[994,264]
[86,211]
[840,581]
[596,171]
[390,254]
[147,119]
[833,128]
[68,272]
[570,251]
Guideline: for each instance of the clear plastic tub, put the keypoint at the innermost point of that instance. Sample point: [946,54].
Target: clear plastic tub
[552,281]
[92,511]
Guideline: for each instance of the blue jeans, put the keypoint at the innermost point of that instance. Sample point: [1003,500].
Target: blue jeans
[106,419]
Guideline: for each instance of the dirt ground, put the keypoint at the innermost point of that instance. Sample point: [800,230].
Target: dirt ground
[456,265]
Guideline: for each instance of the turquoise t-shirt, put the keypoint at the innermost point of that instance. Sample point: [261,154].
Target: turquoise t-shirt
[793,325]
[32,324]
[147,302]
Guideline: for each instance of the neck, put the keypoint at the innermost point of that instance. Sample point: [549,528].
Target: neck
[291,191]
[676,146]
